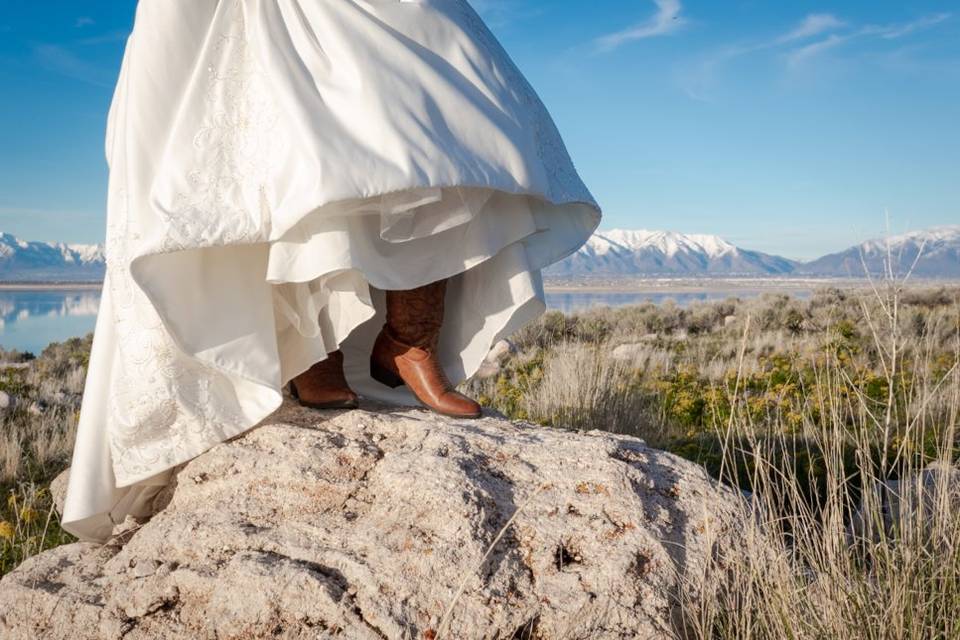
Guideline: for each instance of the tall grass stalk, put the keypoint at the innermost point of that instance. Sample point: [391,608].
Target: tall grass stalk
[873,552]
[37,432]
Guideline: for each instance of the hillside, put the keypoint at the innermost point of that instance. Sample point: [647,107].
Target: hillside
[938,250]
[21,260]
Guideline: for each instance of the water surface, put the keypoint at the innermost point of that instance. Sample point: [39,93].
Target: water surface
[573,302]
[30,319]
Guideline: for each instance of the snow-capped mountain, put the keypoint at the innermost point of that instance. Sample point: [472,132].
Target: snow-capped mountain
[938,250]
[623,252]
[48,261]
[619,252]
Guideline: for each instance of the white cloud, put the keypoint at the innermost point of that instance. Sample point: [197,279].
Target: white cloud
[666,20]
[885,32]
[697,81]
[800,55]
[813,25]
[898,31]
[60,60]
[84,21]
[814,36]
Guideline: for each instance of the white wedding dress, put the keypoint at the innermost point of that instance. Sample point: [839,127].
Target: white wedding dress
[275,165]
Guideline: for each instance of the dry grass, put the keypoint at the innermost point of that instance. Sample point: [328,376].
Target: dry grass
[838,414]
[36,440]
[11,452]
[583,388]
[877,554]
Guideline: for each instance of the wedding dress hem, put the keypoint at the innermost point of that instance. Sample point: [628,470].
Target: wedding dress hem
[274,167]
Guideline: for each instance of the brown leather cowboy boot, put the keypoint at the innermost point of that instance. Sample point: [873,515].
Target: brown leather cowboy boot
[323,385]
[406,351]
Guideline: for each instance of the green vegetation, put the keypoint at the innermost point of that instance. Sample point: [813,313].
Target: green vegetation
[37,430]
[675,376]
[837,415]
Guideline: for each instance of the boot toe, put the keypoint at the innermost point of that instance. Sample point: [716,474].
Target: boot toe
[458,405]
[330,401]
[327,398]
[346,399]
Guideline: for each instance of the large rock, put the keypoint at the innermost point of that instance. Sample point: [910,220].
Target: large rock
[908,506]
[58,490]
[7,401]
[394,524]
[493,363]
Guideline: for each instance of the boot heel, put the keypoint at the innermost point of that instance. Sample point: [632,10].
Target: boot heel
[384,376]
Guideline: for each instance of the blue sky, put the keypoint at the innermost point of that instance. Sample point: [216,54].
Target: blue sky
[789,127]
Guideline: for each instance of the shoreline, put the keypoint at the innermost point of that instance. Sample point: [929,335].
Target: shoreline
[637,285]
[50,286]
[720,285]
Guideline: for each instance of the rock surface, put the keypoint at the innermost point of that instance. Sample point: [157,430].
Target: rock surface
[915,503]
[393,523]
[58,490]
[493,363]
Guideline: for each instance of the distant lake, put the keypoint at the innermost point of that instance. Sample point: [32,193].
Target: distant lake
[30,319]
[573,302]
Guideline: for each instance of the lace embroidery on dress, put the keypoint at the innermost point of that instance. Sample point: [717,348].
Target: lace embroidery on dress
[165,405]
[565,185]
[236,145]
[162,402]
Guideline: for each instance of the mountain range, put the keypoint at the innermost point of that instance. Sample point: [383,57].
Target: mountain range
[637,252]
[49,261]
[931,253]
